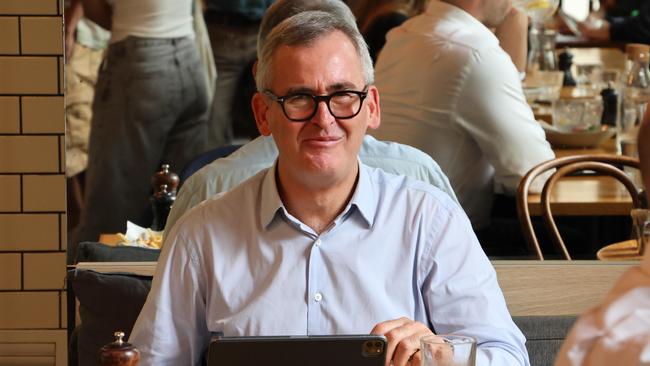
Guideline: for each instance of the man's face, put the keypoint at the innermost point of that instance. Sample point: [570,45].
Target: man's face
[323,149]
[495,12]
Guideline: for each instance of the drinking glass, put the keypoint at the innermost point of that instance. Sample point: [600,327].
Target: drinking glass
[577,115]
[448,350]
[641,223]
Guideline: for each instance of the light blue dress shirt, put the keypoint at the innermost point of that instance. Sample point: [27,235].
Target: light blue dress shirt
[223,174]
[239,264]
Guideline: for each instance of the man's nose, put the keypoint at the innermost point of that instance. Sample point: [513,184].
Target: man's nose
[323,117]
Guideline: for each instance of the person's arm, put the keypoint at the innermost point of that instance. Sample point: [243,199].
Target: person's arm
[99,12]
[633,29]
[493,110]
[462,295]
[171,328]
[644,150]
[71,17]
[513,37]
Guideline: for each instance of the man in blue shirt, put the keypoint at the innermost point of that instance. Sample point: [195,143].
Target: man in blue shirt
[320,243]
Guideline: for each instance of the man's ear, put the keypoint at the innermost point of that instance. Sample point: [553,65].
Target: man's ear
[372,101]
[260,109]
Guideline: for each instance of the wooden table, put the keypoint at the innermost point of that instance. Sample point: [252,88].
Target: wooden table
[581,42]
[585,196]
[625,250]
[610,58]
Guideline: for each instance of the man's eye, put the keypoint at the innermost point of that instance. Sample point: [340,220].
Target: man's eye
[298,99]
[344,97]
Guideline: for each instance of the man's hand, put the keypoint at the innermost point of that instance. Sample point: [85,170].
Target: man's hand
[403,337]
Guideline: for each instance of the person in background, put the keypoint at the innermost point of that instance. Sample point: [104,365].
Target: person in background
[85,43]
[232,27]
[376,18]
[631,24]
[449,89]
[223,174]
[617,331]
[319,242]
[150,107]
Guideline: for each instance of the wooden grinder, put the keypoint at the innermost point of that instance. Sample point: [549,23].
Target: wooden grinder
[119,353]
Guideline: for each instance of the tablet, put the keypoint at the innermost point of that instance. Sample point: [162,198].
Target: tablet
[338,350]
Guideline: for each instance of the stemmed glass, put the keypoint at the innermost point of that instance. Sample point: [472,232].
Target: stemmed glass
[541,43]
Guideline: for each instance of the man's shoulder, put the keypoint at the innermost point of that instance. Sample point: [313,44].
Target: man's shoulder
[394,152]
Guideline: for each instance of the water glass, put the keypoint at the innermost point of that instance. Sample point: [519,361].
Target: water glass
[448,350]
[577,115]
[641,224]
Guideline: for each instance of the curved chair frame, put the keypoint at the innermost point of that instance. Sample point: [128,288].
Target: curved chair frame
[603,164]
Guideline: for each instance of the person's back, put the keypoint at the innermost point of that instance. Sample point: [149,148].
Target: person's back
[451,91]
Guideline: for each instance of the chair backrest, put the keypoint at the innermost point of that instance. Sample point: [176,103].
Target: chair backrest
[603,164]
[204,159]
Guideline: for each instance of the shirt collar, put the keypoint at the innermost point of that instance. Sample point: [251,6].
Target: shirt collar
[364,199]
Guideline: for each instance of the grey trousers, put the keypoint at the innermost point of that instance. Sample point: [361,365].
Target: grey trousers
[234,49]
[149,108]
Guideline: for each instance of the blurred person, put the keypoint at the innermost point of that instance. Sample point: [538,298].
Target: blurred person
[232,27]
[149,108]
[85,43]
[376,18]
[449,89]
[617,331]
[305,243]
[630,23]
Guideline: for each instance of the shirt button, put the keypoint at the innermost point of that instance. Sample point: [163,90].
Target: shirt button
[318,297]
[317,243]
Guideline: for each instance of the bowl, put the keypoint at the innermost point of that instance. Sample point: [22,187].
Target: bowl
[580,139]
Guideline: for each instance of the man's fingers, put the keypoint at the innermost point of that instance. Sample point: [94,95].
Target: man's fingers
[408,348]
[403,336]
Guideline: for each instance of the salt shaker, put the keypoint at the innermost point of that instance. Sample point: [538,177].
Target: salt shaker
[119,353]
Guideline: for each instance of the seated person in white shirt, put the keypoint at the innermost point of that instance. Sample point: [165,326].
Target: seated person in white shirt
[321,243]
[223,174]
[617,332]
[450,90]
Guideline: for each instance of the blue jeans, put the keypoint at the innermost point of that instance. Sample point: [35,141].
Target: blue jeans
[149,108]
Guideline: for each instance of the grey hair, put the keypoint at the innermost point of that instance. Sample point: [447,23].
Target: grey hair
[283,9]
[303,29]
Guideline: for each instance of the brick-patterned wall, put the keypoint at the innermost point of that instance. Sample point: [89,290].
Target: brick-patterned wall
[32,182]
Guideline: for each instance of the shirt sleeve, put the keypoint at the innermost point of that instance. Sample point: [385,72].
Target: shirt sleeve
[462,295]
[171,328]
[495,113]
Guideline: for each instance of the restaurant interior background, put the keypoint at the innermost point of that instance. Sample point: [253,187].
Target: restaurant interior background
[32,183]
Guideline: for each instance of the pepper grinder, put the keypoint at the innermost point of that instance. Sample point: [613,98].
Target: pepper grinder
[165,184]
[610,106]
[565,60]
[119,353]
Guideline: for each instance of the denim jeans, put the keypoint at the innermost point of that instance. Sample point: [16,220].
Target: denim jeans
[149,108]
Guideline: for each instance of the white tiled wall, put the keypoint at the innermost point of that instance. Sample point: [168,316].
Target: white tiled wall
[32,183]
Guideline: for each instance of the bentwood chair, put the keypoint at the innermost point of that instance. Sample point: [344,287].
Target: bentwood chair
[610,165]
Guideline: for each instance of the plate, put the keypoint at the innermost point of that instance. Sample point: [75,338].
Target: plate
[579,139]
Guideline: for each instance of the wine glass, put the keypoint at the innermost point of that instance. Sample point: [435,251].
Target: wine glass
[538,10]
[542,43]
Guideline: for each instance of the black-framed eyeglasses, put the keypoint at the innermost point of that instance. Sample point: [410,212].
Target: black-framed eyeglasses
[301,107]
